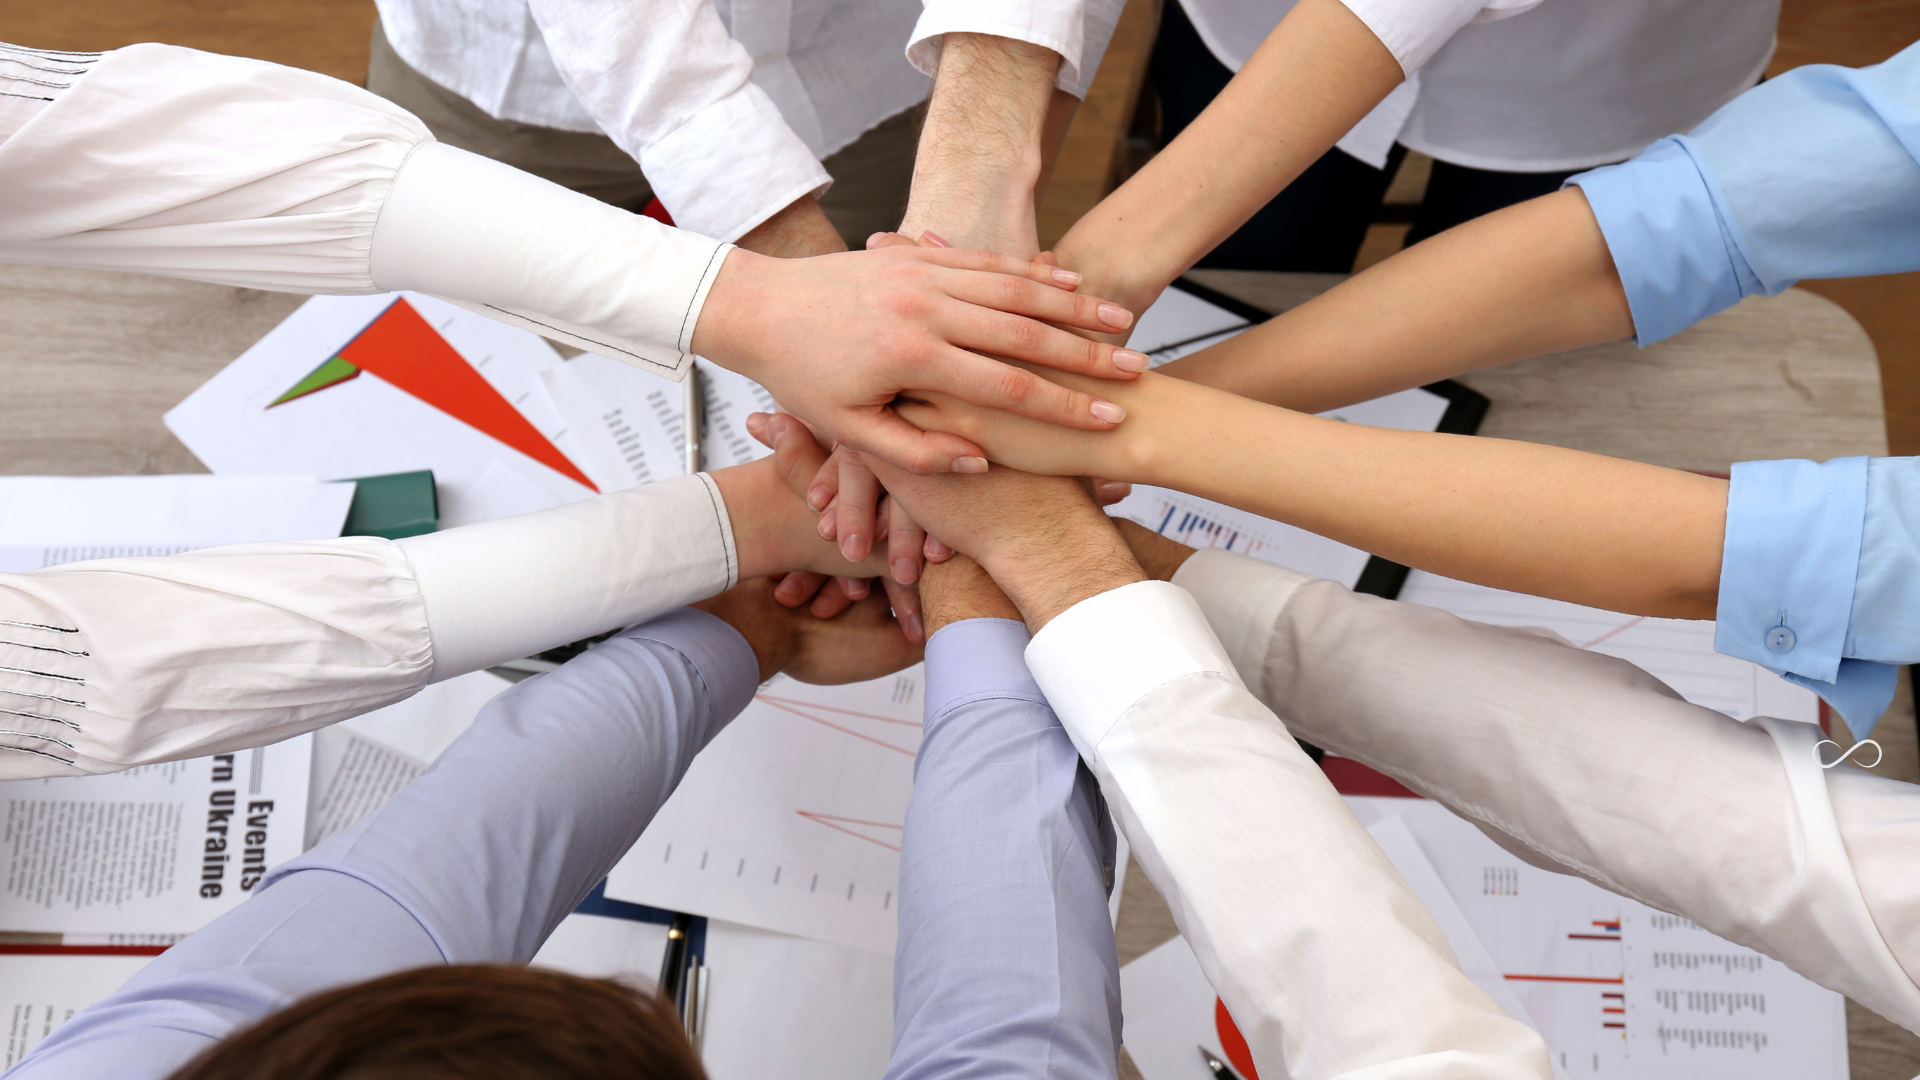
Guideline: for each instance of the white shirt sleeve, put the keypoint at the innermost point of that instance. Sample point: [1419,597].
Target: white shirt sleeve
[665,81]
[1584,764]
[1328,963]
[1413,30]
[1076,29]
[120,662]
[161,160]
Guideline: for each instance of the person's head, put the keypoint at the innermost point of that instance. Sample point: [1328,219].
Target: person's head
[461,1022]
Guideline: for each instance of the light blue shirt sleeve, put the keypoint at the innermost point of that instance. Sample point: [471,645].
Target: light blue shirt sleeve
[475,862]
[1818,577]
[1814,174]
[1006,964]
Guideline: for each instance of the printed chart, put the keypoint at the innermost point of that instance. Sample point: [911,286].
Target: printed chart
[791,819]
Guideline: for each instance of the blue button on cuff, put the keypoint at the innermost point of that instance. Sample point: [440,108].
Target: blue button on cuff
[1780,639]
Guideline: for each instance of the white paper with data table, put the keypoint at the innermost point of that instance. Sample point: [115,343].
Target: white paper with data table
[1622,991]
[38,993]
[50,520]
[158,849]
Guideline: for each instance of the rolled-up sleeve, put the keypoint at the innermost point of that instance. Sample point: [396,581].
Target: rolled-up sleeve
[1809,175]
[1078,30]
[1789,573]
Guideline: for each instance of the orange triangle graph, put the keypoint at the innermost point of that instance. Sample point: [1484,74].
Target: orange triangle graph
[403,349]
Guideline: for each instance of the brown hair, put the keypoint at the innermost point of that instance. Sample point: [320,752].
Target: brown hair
[461,1022]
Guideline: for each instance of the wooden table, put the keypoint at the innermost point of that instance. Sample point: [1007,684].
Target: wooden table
[96,358]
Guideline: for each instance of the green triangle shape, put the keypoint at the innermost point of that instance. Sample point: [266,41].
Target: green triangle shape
[332,372]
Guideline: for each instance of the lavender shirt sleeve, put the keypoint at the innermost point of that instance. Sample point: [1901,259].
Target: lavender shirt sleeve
[475,862]
[1006,964]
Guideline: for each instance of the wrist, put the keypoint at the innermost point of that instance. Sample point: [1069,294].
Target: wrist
[960,589]
[1159,557]
[1043,582]
[774,641]
[771,526]
[739,289]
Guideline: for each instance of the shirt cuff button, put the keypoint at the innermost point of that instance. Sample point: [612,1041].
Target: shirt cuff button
[1780,639]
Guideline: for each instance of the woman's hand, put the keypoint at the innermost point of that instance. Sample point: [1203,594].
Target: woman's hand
[835,338]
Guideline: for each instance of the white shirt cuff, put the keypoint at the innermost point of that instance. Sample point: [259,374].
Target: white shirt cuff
[732,166]
[1079,33]
[521,585]
[520,249]
[1100,656]
[1413,32]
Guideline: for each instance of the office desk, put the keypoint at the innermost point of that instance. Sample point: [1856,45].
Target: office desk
[94,359]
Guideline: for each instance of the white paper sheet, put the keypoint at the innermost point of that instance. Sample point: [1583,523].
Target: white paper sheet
[1678,652]
[1619,990]
[628,424]
[39,993]
[49,520]
[1180,323]
[791,819]
[602,947]
[362,762]
[366,426]
[786,1008]
[159,849]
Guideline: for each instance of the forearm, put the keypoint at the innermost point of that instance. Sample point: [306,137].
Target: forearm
[1006,952]
[1531,279]
[984,147]
[1314,77]
[1538,519]
[475,862]
[1543,746]
[800,230]
[1286,901]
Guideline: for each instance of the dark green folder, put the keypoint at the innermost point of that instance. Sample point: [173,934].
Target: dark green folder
[393,506]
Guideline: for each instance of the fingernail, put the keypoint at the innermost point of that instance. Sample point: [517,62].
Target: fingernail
[819,496]
[1115,316]
[1108,411]
[855,588]
[874,237]
[1065,277]
[1128,360]
[905,571]
[853,547]
[936,549]
[933,238]
[826,525]
[979,464]
[916,630]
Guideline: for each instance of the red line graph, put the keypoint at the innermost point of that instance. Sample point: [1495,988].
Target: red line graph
[772,700]
[1566,979]
[796,709]
[1616,631]
[829,820]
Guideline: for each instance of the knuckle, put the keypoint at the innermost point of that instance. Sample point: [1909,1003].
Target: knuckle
[1013,386]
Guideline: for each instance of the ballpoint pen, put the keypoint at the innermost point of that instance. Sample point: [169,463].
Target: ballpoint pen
[695,410]
[1220,1069]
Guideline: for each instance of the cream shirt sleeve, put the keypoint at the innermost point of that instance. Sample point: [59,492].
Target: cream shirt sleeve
[162,160]
[1584,764]
[120,662]
[1076,29]
[1328,963]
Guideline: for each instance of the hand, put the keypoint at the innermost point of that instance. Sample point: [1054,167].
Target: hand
[858,644]
[1042,538]
[960,589]
[837,337]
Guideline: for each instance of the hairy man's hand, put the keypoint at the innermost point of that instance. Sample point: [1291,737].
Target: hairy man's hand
[863,642]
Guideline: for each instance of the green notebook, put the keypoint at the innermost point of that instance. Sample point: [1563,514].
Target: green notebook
[393,506]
